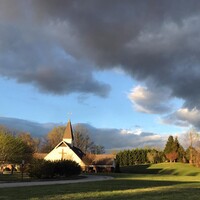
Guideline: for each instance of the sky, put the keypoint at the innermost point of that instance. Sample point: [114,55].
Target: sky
[124,68]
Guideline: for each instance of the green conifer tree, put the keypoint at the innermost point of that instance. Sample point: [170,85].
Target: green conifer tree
[169,147]
[180,150]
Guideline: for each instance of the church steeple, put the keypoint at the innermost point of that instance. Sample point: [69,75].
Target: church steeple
[68,134]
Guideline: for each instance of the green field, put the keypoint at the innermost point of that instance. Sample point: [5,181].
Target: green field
[163,168]
[172,181]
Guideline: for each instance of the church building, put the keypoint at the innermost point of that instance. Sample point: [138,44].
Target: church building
[66,150]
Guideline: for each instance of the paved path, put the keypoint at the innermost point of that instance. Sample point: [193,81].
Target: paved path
[89,178]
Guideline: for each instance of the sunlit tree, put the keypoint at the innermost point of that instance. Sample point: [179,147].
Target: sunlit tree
[32,143]
[13,149]
[82,140]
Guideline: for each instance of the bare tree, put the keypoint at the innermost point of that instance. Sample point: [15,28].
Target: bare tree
[82,139]
[190,141]
[97,149]
[53,138]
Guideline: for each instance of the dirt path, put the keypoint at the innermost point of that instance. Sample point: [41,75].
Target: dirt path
[89,178]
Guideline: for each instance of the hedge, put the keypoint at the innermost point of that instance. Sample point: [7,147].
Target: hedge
[47,169]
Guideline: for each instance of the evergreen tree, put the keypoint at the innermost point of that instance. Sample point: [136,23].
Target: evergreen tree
[135,157]
[173,150]
[180,150]
[170,150]
[169,147]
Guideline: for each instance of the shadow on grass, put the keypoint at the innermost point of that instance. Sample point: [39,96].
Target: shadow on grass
[140,169]
[94,188]
[193,174]
[145,169]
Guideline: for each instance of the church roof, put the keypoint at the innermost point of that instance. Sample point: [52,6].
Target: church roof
[99,159]
[76,150]
[68,134]
[39,155]
[103,159]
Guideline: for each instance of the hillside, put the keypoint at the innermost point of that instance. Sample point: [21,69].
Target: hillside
[179,169]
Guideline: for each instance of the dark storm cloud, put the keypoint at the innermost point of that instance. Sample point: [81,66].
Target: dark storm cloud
[123,139]
[19,125]
[32,52]
[153,41]
[109,138]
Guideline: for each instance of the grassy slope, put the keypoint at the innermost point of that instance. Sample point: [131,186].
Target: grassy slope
[164,168]
[125,186]
[177,169]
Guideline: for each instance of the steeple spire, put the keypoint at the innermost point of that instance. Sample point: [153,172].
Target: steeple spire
[68,134]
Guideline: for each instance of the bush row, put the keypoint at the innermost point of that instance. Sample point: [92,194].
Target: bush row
[139,156]
[48,169]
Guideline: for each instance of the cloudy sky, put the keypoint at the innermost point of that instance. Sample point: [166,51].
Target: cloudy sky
[131,66]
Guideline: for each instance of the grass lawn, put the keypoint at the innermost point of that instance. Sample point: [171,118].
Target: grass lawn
[14,177]
[163,168]
[160,186]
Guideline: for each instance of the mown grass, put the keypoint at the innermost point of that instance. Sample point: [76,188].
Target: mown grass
[163,168]
[14,177]
[124,186]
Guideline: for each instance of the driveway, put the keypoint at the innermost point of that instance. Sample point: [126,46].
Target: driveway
[89,178]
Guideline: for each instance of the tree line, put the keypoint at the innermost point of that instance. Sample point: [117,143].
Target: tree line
[138,156]
[18,146]
[173,152]
[15,147]
[82,140]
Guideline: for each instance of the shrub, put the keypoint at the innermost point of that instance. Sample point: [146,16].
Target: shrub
[48,169]
[35,168]
[67,168]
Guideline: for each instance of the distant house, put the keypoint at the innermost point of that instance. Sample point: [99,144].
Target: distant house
[65,150]
[102,163]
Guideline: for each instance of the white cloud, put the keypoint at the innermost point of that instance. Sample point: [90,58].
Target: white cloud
[137,131]
[184,117]
[150,101]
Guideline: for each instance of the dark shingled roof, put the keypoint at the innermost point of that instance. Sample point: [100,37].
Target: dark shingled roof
[76,150]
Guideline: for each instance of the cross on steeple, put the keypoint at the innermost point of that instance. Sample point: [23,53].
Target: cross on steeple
[69,114]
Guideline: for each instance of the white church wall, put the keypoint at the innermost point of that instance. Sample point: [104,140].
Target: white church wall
[66,153]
